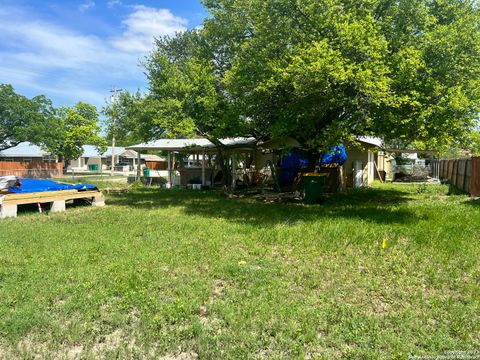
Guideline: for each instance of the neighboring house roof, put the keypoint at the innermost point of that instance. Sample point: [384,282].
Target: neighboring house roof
[190,144]
[24,149]
[91,151]
[129,154]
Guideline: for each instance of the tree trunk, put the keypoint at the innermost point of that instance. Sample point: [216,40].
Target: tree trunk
[221,159]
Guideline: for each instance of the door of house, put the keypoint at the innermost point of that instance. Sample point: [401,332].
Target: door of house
[358,171]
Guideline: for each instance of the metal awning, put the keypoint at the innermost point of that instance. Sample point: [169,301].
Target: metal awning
[202,145]
[194,145]
[409,151]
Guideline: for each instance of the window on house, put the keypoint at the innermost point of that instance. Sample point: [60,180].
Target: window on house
[6,159]
[27,159]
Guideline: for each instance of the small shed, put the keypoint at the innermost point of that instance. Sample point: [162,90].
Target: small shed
[364,162]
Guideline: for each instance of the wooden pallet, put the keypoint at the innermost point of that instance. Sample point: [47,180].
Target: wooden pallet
[9,202]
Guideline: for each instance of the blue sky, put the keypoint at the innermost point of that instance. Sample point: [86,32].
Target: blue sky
[78,50]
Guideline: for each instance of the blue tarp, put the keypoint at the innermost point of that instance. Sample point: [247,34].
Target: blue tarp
[35,185]
[290,165]
[335,155]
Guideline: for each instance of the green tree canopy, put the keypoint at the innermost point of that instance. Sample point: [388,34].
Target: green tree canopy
[131,119]
[322,71]
[74,127]
[23,119]
[187,91]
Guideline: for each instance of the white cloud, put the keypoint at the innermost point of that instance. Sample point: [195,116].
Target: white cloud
[43,44]
[145,23]
[86,5]
[113,3]
[39,57]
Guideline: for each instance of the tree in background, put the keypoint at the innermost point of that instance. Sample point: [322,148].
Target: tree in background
[74,127]
[23,119]
[323,71]
[61,131]
[131,119]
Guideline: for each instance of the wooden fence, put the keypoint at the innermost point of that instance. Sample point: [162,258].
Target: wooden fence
[33,169]
[157,165]
[464,174]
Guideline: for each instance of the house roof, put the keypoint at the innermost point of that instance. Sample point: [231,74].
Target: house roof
[171,144]
[91,151]
[280,143]
[205,144]
[370,140]
[190,144]
[24,149]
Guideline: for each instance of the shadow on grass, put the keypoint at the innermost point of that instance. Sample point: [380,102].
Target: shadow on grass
[474,202]
[452,190]
[373,205]
[26,209]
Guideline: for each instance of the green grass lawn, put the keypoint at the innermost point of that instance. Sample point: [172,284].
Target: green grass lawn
[186,274]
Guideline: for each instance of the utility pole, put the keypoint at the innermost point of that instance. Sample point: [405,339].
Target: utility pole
[113,100]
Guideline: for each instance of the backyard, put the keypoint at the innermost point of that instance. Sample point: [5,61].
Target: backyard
[379,273]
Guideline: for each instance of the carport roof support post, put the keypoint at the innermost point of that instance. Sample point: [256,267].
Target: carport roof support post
[203,168]
[139,166]
[169,168]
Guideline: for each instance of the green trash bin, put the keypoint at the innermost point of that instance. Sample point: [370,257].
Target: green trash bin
[146,172]
[314,185]
[93,167]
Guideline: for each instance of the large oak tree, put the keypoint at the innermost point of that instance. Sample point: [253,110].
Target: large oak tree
[322,71]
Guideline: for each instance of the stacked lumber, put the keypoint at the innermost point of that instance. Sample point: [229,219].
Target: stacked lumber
[10,201]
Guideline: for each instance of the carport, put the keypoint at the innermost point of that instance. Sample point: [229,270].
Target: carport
[197,147]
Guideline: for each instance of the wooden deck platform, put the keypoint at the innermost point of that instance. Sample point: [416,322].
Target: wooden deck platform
[9,201]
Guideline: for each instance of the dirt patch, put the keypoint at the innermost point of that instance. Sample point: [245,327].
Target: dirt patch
[4,353]
[75,352]
[181,356]
[219,288]
[206,318]
[29,346]
[108,343]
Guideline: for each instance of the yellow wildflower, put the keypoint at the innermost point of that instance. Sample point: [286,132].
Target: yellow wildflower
[384,244]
